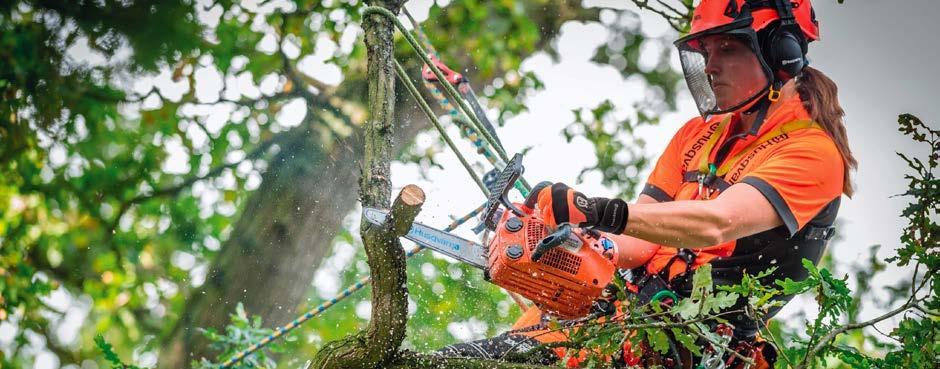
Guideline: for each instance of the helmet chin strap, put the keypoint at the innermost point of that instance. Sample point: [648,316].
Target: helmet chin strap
[760,108]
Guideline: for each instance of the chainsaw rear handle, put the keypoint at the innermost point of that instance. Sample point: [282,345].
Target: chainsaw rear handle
[562,234]
[533,197]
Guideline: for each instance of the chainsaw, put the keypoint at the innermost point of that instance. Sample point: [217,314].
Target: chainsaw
[563,271]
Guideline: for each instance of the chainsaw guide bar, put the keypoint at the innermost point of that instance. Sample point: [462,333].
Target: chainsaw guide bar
[448,244]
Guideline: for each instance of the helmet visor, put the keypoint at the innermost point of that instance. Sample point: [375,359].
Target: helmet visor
[724,71]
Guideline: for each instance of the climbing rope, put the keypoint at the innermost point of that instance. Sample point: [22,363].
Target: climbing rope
[449,89]
[478,134]
[521,185]
[403,77]
[444,102]
[360,284]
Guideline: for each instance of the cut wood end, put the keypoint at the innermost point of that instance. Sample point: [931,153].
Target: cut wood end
[412,195]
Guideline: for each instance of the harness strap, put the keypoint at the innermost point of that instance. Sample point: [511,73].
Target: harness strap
[716,182]
[711,176]
[786,128]
[703,165]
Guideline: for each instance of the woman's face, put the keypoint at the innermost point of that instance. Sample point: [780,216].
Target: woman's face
[733,70]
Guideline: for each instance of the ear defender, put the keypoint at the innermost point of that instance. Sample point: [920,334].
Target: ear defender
[784,47]
[784,52]
[788,54]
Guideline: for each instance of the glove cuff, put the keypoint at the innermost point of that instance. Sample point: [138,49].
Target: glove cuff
[612,214]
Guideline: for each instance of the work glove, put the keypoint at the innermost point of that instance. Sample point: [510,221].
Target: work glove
[558,204]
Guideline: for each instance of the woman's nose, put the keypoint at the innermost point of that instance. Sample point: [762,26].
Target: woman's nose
[711,65]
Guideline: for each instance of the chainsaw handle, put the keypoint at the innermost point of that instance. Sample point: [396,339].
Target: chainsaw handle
[533,198]
[562,234]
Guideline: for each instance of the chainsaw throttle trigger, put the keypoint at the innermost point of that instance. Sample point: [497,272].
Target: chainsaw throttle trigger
[560,236]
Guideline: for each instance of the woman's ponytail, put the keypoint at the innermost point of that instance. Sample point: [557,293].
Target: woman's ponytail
[819,96]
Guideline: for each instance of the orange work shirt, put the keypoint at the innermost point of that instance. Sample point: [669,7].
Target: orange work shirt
[799,171]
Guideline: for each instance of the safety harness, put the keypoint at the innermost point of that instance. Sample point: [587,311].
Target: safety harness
[710,173]
[753,254]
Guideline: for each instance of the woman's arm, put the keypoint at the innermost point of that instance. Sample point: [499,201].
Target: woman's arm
[739,211]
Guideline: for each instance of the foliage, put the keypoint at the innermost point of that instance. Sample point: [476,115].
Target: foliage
[617,161]
[242,332]
[44,88]
[608,127]
[676,12]
[108,351]
[914,342]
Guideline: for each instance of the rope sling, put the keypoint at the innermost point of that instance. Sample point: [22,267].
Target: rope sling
[460,114]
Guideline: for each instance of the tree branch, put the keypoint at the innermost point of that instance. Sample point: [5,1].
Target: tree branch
[385,256]
[676,18]
[405,209]
[824,341]
[412,360]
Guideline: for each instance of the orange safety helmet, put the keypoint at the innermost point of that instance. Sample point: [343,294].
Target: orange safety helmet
[777,31]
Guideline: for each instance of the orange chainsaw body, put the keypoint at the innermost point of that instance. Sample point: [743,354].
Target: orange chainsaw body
[565,281]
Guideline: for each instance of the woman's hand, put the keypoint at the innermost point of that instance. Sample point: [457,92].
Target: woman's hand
[559,204]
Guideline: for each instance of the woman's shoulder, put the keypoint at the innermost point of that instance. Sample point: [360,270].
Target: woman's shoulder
[694,126]
[696,122]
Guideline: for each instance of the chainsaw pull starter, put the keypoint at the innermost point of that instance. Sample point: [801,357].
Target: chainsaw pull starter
[557,238]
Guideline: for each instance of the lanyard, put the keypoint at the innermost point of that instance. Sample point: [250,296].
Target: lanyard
[707,169]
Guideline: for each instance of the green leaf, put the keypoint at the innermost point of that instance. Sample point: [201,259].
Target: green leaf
[108,351]
[702,282]
[719,301]
[687,341]
[686,308]
[658,340]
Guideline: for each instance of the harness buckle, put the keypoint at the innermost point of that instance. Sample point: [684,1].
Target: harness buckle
[706,180]
[773,94]
[701,182]
[687,256]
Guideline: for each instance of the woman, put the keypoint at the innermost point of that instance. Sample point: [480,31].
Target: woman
[753,183]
